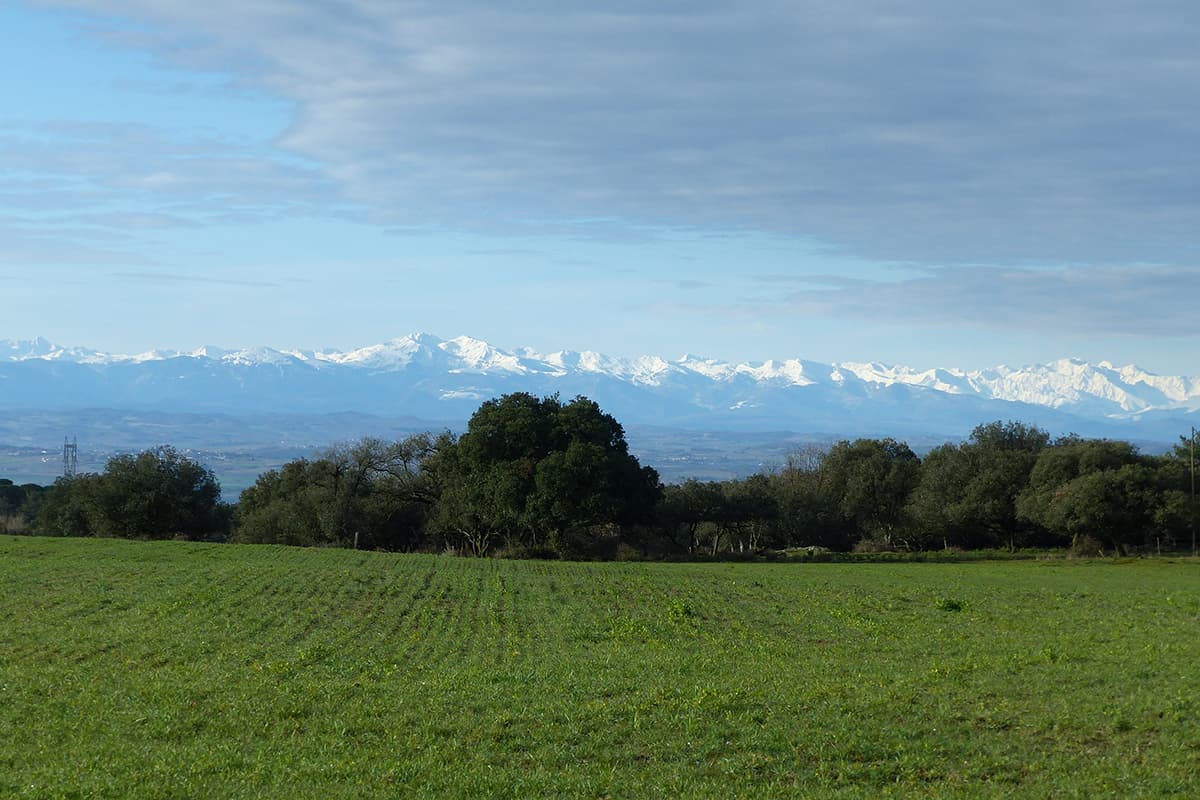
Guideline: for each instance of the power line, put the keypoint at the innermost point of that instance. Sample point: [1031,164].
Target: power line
[70,457]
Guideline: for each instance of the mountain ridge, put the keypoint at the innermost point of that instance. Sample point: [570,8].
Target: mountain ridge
[1066,384]
[251,409]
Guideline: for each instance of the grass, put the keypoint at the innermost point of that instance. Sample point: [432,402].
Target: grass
[175,670]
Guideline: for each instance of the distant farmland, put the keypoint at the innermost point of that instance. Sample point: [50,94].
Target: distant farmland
[169,670]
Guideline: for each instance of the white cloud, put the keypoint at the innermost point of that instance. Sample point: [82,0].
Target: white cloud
[937,132]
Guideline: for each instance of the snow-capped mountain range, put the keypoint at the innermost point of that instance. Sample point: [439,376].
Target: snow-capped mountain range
[427,377]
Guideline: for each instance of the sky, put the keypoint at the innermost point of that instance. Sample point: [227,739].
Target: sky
[929,183]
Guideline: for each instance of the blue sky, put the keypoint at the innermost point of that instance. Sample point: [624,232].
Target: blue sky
[930,183]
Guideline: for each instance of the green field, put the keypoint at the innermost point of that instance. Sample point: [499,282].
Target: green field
[179,670]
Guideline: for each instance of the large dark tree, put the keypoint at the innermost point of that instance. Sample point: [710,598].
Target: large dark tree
[871,480]
[155,494]
[967,495]
[1098,488]
[537,472]
[810,513]
[685,508]
[746,516]
[370,493]
[1177,516]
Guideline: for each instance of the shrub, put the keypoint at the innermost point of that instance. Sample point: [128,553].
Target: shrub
[950,604]
[1085,547]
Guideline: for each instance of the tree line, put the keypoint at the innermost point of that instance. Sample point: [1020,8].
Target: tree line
[539,477]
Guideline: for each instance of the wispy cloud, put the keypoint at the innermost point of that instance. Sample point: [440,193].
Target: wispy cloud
[34,242]
[940,132]
[171,278]
[184,177]
[1143,302]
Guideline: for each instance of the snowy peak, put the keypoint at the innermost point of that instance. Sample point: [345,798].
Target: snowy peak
[476,355]
[393,354]
[1069,382]
[40,348]
[1101,387]
[20,349]
[466,366]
